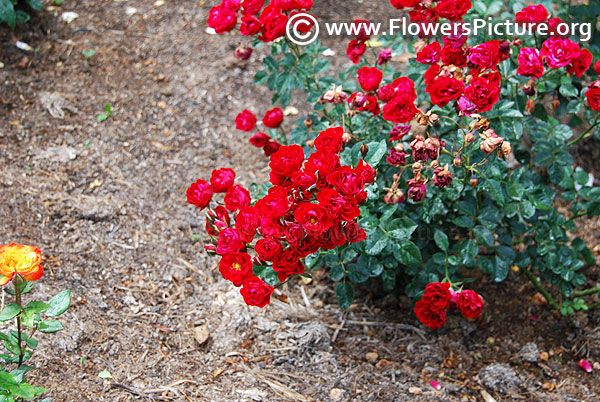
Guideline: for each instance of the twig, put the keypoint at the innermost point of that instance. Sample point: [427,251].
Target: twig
[338,329]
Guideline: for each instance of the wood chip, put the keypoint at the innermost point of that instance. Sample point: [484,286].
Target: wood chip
[218,372]
[201,333]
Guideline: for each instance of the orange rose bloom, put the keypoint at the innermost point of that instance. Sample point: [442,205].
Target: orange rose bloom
[21,259]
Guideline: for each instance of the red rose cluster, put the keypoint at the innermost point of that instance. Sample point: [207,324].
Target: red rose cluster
[428,11]
[312,205]
[269,23]
[246,121]
[439,297]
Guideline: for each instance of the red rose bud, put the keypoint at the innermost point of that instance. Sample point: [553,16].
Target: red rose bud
[516,42]
[271,147]
[259,139]
[245,121]
[466,106]
[384,56]
[530,106]
[504,49]
[364,149]
[474,182]
[242,52]
[394,197]
[210,249]
[597,67]
[470,304]
[273,118]
[584,364]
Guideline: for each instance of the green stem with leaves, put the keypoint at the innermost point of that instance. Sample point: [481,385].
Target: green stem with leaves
[16,281]
[585,134]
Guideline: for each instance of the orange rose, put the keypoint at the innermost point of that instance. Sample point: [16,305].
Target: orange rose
[21,259]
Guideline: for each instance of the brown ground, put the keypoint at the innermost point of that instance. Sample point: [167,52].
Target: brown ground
[106,204]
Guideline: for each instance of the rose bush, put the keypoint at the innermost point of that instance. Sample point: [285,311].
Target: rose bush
[471,147]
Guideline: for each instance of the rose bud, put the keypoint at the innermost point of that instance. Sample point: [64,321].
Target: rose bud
[308,122]
[457,161]
[474,181]
[346,138]
[489,144]
[529,88]
[359,100]
[210,249]
[242,52]
[516,42]
[364,149]
[394,197]
[310,143]
[555,103]
[504,50]
[530,106]
[505,149]
[434,164]
[469,138]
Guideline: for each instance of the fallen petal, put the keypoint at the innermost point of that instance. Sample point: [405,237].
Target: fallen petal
[436,385]
[584,364]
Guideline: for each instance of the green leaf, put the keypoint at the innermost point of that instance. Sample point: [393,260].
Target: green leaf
[376,152]
[469,251]
[407,253]
[59,303]
[501,269]
[36,306]
[441,240]
[50,326]
[10,311]
[35,4]
[484,236]
[7,13]
[271,64]
[260,77]
[105,374]
[376,242]
[357,272]
[345,295]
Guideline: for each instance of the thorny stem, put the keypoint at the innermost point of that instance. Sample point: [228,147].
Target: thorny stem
[587,292]
[542,289]
[18,318]
[584,135]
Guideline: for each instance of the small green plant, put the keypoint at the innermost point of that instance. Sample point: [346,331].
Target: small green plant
[88,53]
[20,265]
[104,116]
[12,16]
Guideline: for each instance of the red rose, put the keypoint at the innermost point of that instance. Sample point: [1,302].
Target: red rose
[354,232]
[256,292]
[398,132]
[232,4]
[287,160]
[250,25]
[445,89]
[416,190]
[259,139]
[399,111]
[581,63]
[369,78]
[431,74]
[252,6]
[270,227]
[268,249]
[358,27]
[430,54]
[484,93]
[442,177]
[287,264]
[530,63]
[597,67]
[405,89]
[559,52]
[593,96]
[452,10]
[222,179]
[532,15]
[452,56]
[229,241]
[395,157]
[330,140]
[346,180]
[437,295]
[275,204]
[306,246]
[222,18]
[237,197]
[386,93]
[366,171]
[356,49]
[322,163]
[485,55]
[235,267]
[369,103]
[285,5]
[400,4]
[273,118]
[338,206]
[294,233]
[246,223]
[303,180]
[273,24]
[245,121]
[312,217]
[218,217]
[271,147]
[470,304]
[333,237]
[430,317]
[200,193]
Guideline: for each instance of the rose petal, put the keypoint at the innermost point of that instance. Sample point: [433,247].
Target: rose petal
[584,364]
[436,385]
